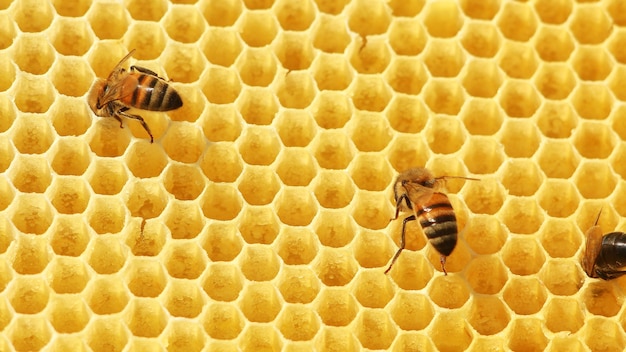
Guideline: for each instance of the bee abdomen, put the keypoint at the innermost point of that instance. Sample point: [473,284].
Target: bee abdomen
[439,224]
[611,261]
[155,95]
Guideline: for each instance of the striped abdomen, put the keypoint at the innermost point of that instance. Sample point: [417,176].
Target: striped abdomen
[439,223]
[151,93]
[611,261]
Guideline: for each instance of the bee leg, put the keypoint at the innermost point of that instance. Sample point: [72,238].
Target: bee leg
[404,198]
[402,242]
[118,119]
[442,259]
[122,112]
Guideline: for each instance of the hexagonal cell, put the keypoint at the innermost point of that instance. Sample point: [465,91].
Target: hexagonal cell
[594,179]
[369,172]
[184,219]
[8,30]
[184,64]
[412,310]
[32,213]
[296,246]
[520,138]
[483,154]
[221,13]
[222,282]
[554,43]
[523,256]
[445,134]
[106,295]
[183,142]
[335,266]
[333,229]
[557,158]
[527,334]
[31,256]
[372,289]
[331,109]
[145,198]
[407,114]
[259,225]
[333,150]
[221,46]
[71,76]
[184,182]
[590,24]
[258,185]
[70,235]
[556,119]
[484,197]
[488,315]
[31,174]
[519,99]
[557,308]
[592,101]
[616,81]
[407,36]
[108,20]
[486,275]
[374,329]
[259,145]
[482,78]
[371,210]
[406,75]
[70,116]
[257,67]
[372,57]
[183,23]
[616,42]
[481,116]
[222,321]
[71,36]
[444,58]
[524,295]
[331,72]
[145,317]
[68,314]
[601,298]
[258,28]
[107,176]
[336,306]
[107,254]
[518,59]
[298,323]
[109,139]
[450,330]
[7,109]
[553,12]
[592,64]
[145,277]
[69,195]
[107,214]
[28,294]
[71,156]
[32,134]
[521,177]
[148,37]
[296,128]
[260,302]
[603,334]
[481,39]
[443,19]
[33,15]
[555,81]
[370,93]
[294,50]
[296,167]
[184,335]
[330,34]
[259,262]
[298,284]
[296,90]
[29,333]
[295,206]
[526,223]
[221,202]
[221,85]
[183,298]
[485,234]
[369,131]
[558,198]
[221,162]
[517,21]
[449,291]
[259,338]
[33,53]
[368,17]
[221,242]
[184,260]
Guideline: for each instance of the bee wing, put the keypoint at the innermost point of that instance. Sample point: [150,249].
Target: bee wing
[418,194]
[118,68]
[118,90]
[592,250]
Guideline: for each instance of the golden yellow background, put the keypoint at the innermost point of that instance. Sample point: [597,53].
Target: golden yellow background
[259,218]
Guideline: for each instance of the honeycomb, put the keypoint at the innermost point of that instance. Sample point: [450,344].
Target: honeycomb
[259,218]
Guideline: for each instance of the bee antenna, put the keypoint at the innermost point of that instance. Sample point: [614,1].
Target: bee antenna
[598,218]
[462,177]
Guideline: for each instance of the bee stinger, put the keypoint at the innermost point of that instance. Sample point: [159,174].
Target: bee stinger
[138,88]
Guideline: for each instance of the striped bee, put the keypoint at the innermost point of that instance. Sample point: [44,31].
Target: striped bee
[417,190]
[605,255]
[138,88]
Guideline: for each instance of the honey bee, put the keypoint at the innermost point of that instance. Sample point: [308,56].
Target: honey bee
[138,88]
[417,190]
[605,255]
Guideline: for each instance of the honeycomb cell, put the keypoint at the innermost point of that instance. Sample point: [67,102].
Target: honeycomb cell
[107,254]
[331,109]
[7,28]
[481,39]
[558,198]
[258,185]
[594,140]
[108,20]
[486,275]
[370,93]
[444,58]
[34,94]
[145,277]
[445,134]
[482,78]
[184,260]
[601,298]
[259,225]
[257,105]
[32,213]
[28,294]
[407,36]
[488,315]
[71,36]
[554,44]
[32,134]
[297,323]
[222,282]
[484,234]
[69,116]
[257,67]
[449,291]
[106,295]
[70,195]
[183,142]
[296,167]
[557,308]
[524,296]
[556,119]
[369,132]
[333,150]
[294,50]
[594,179]
[368,18]
[185,65]
[521,177]
[444,96]
[295,128]
[221,163]
[70,156]
[106,214]
[335,266]
[407,114]
[106,333]
[406,75]
[71,76]
[221,46]
[295,206]
[221,13]
[617,159]
[221,85]
[183,299]
[223,321]
[68,314]
[296,246]
[450,331]
[523,256]
[553,12]
[29,333]
[518,59]
[592,101]
[373,289]
[590,24]
[183,182]
[519,99]
[109,140]
[107,176]
[371,210]
[298,285]
[70,235]
[183,23]
[527,334]
[369,172]
[602,334]
[68,342]
[557,158]
[517,21]
[616,11]
[555,81]
[260,338]
[221,202]
[148,37]
[616,42]
[31,174]
[33,15]
[481,116]
[616,81]
[443,19]
[412,311]
[185,335]
[259,263]
[520,138]
[259,145]
[333,229]
[221,123]
[331,72]
[33,53]
[592,64]
[258,28]
[330,34]
[296,90]
[483,155]
[145,317]
[374,329]
[184,219]
[259,302]
[484,197]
